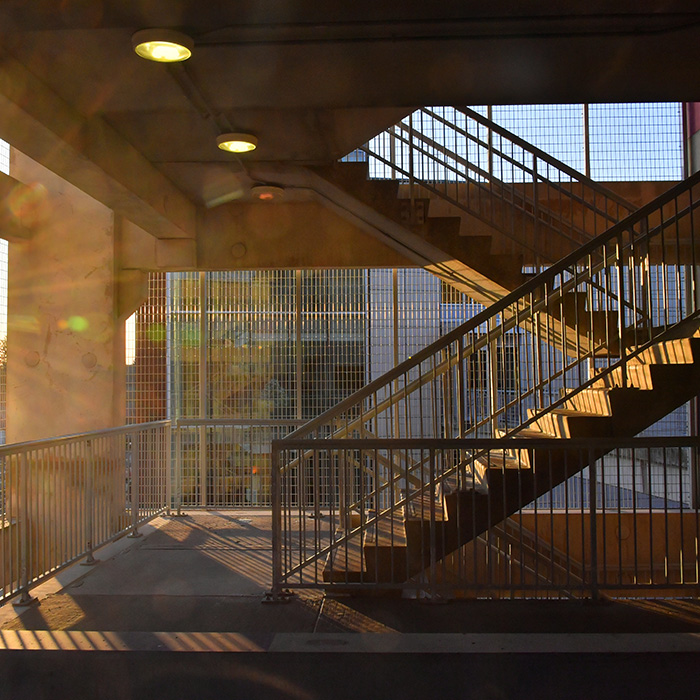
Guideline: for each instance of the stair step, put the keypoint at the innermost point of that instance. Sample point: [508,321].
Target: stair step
[650,377]
[570,423]
[604,401]
[676,351]
[533,433]
[345,564]
[513,459]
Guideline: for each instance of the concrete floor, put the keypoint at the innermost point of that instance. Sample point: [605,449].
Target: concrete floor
[192,586]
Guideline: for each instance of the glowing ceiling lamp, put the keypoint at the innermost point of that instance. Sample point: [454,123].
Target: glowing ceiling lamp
[162,45]
[267,193]
[237,142]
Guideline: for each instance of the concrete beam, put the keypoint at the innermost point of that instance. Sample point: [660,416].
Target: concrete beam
[141,251]
[90,154]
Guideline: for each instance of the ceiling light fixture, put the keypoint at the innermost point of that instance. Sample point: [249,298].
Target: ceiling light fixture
[267,193]
[237,143]
[162,45]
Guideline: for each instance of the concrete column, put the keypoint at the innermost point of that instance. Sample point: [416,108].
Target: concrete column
[65,370]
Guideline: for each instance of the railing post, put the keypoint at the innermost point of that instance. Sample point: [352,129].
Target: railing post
[586,143]
[535,209]
[178,469]
[493,376]
[593,514]
[343,494]
[90,505]
[168,468]
[135,477]
[489,132]
[621,307]
[24,534]
[433,532]
[276,594]
[411,166]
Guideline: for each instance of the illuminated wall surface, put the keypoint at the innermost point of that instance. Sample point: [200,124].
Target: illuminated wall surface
[5,168]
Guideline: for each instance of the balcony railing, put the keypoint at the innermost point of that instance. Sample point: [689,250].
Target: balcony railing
[637,499]
[62,498]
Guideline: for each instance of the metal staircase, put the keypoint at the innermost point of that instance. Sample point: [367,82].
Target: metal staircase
[476,202]
[510,405]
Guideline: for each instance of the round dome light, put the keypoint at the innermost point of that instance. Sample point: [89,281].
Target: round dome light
[267,193]
[237,143]
[162,45]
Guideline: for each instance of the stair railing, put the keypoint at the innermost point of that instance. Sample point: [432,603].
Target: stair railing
[537,202]
[541,344]
[556,333]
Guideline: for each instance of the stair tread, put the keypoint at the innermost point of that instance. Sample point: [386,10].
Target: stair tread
[501,461]
[575,413]
[345,564]
[533,433]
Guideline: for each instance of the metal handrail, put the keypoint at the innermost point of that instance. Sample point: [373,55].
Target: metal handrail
[543,155]
[523,294]
[423,148]
[535,174]
[75,437]
[340,532]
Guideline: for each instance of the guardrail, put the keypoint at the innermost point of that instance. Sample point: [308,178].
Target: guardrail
[568,517]
[64,497]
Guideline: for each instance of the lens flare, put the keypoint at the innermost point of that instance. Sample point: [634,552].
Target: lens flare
[78,324]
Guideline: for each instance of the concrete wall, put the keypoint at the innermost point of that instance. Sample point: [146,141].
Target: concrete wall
[65,371]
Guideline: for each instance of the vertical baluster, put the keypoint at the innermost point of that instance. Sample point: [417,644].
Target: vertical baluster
[23,516]
[89,502]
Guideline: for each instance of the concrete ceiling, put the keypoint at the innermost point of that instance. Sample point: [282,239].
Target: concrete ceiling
[314,79]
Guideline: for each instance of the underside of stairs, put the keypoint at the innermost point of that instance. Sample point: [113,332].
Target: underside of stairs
[463,261]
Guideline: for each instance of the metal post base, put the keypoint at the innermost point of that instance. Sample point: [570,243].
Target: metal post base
[134,535]
[426,598]
[89,561]
[25,601]
[278,598]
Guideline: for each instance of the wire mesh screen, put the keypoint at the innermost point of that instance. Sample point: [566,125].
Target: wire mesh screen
[277,344]
[642,141]
[279,347]
[609,142]
[556,129]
